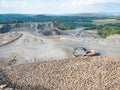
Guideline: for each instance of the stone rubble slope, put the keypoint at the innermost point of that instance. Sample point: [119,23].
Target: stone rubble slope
[90,73]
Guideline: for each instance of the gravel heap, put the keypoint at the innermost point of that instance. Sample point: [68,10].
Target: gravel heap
[8,38]
[90,73]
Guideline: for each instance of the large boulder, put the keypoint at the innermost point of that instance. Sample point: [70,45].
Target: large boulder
[80,51]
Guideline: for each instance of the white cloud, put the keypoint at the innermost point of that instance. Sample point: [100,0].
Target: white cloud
[50,6]
[31,6]
[5,4]
[91,2]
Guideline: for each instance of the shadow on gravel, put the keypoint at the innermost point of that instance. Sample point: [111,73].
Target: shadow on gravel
[4,80]
[97,54]
[29,87]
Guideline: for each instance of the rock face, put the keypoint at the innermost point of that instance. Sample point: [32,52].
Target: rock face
[46,29]
[5,28]
[88,33]
[51,31]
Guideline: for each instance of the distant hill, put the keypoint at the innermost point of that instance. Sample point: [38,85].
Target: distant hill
[67,21]
[7,17]
[84,17]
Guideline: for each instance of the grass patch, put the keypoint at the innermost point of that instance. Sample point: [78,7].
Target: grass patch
[105,21]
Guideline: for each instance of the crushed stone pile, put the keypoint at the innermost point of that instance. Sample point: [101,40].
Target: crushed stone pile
[94,73]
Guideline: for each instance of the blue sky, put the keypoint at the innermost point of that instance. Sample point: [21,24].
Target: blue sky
[58,6]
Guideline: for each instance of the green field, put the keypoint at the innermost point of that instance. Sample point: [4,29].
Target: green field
[105,21]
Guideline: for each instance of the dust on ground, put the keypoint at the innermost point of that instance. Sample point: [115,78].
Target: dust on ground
[31,48]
